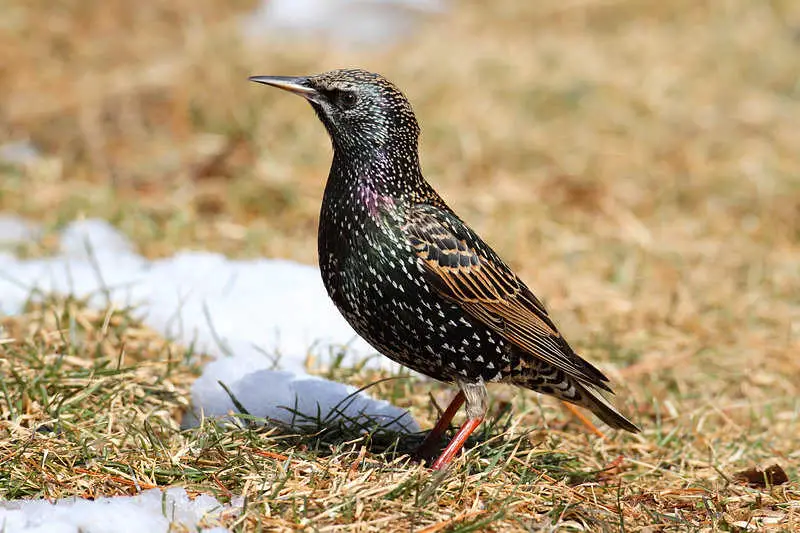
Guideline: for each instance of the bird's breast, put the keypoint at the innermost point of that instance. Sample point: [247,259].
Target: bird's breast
[367,265]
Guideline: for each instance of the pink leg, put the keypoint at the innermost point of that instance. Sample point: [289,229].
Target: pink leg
[457,443]
[431,442]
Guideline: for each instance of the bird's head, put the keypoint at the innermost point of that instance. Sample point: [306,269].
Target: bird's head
[361,110]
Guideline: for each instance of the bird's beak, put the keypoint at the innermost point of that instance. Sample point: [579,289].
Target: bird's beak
[296,85]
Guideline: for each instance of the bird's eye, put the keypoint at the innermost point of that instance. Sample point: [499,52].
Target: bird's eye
[346,100]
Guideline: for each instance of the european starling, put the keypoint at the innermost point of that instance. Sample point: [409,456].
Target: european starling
[413,279]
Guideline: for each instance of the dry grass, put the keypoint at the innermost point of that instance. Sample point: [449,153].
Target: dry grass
[637,162]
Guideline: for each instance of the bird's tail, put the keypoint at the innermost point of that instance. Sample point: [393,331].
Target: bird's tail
[553,382]
[594,401]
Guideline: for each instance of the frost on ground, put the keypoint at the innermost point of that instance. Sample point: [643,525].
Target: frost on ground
[151,510]
[260,319]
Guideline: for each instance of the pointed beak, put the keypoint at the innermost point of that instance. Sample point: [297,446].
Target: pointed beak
[296,85]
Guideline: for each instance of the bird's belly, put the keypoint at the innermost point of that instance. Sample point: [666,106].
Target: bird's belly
[391,306]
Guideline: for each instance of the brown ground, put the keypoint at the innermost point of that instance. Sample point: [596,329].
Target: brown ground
[637,162]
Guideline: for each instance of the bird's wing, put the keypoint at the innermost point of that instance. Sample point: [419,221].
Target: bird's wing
[465,270]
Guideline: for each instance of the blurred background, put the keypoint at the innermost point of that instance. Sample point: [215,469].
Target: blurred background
[637,162]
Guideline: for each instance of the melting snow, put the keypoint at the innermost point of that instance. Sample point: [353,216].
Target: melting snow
[151,510]
[243,313]
[349,22]
[260,319]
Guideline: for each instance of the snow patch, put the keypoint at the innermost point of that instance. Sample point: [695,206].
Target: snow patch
[261,320]
[348,22]
[151,510]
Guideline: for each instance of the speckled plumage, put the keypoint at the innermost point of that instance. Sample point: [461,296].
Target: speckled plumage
[410,276]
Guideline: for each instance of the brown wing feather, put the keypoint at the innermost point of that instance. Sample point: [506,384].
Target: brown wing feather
[465,270]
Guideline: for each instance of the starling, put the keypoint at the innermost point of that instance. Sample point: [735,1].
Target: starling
[413,279]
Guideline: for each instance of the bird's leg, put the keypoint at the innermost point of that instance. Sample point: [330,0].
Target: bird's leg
[457,443]
[476,397]
[431,441]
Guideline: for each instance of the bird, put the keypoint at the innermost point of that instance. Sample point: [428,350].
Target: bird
[414,280]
